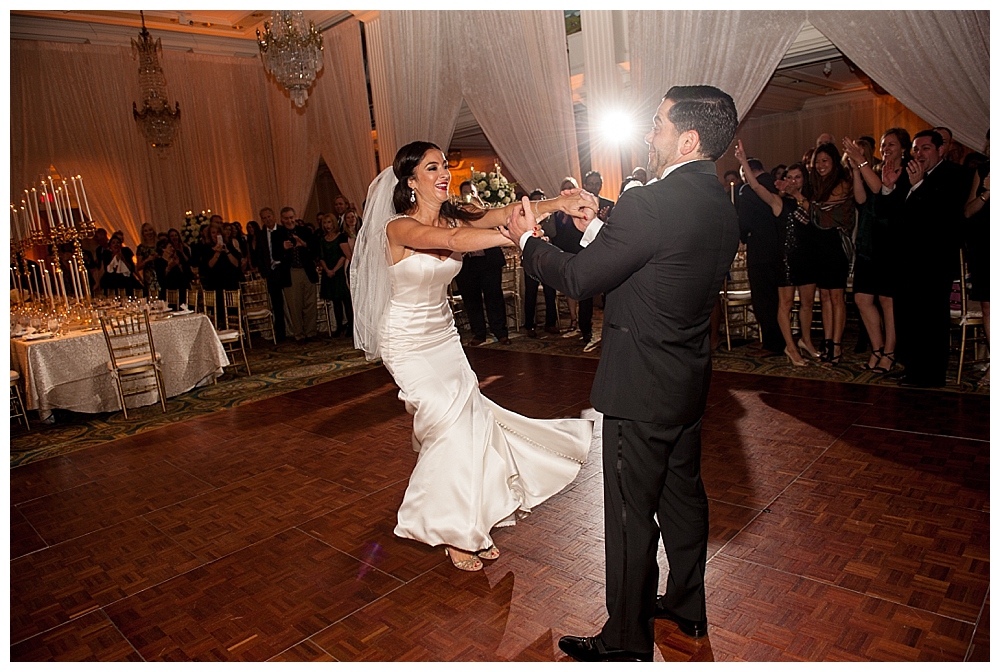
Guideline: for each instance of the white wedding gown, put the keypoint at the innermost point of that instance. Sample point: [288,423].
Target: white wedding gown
[478,464]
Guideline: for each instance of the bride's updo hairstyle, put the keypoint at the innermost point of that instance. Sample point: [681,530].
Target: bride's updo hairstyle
[407,159]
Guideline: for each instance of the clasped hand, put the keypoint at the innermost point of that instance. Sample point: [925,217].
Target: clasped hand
[581,205]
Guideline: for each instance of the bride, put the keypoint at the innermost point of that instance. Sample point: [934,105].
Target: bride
[479,464]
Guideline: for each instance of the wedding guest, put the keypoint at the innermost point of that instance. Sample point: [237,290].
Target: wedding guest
[531,285]
[926,218]
[224,267]
[351,225]
[182,249]
[294,247]
[762,233]
[117,269]
[171,272]
[951,149]
[792,238]
[333,256]
[824,139]
[145,254]
[269,265]
[480,282]
[638,177]
[340,207]
[875,265]
[253,232]
[833,211]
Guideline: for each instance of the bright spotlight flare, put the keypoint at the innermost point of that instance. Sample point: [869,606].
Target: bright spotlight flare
[617,126]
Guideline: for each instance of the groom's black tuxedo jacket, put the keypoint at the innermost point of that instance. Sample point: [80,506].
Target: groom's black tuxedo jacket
[661,259]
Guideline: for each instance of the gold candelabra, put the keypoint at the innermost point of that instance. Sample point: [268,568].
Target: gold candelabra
[58,226]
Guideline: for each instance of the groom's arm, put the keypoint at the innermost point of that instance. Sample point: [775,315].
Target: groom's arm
[623,247]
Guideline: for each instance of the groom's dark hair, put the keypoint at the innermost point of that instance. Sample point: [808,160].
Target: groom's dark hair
[709,111]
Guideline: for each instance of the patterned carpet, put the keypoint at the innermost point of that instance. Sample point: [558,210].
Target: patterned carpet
[289,366]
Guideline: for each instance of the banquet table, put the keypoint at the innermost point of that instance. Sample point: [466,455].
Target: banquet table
[70,371]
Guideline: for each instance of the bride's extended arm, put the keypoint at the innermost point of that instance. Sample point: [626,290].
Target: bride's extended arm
[408,232]
[573,203]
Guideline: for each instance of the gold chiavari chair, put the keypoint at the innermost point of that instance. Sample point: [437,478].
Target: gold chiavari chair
[231,317]
[133,360]
[16,402]
[257,314]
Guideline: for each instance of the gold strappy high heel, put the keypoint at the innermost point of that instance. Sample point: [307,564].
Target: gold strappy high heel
[491,553]
[472,564]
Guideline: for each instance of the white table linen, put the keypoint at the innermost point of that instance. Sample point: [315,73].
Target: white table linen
[71,371]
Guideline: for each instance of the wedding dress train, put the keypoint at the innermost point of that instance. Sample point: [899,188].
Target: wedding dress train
[479,464]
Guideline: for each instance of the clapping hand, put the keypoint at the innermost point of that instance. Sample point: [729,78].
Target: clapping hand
[854,151]
[891,172]
[915,171]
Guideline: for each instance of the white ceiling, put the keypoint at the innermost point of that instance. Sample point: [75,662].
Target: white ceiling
[223,32]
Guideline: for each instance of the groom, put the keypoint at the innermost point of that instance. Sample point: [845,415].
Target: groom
[661,259]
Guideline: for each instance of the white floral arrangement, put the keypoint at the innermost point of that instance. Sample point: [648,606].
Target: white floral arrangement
[494,189]
[192,225]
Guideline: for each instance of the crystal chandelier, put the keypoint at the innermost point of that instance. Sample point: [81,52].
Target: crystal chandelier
[292,51]
[158,123]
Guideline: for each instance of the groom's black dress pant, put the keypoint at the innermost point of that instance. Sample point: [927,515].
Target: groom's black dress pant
[652,469]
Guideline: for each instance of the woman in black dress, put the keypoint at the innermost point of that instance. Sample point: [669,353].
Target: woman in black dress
[795,235]
[334,251]
[875,265]
[833,214]
[172,272]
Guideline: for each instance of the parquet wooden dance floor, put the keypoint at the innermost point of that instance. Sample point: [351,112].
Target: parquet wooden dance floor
[848,523]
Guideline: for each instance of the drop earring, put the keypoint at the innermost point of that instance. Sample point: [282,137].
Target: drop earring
[413,196]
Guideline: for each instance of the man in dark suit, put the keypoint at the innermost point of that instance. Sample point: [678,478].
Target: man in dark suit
[765,266]
[267,265]
[661,259]
[480,282]
[925,223]
[294,246]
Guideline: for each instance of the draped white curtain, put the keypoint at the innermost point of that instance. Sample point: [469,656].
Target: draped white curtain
[736,51]
[338,109]
[55,113]
[604,94]
[515,77]
[422,83]
[936,63]
[242,144]
[221,159]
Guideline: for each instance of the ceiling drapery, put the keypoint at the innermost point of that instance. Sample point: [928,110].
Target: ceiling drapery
[936,63]
[341,123]
[423,84]
[521,93]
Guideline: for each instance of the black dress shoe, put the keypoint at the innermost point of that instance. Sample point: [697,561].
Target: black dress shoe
[504,341]
[910,381]
[531,333]
[593,650]
[690,628]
